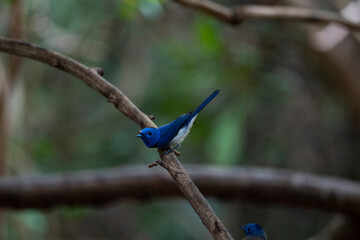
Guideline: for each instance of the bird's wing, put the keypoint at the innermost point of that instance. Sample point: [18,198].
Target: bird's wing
[169,131]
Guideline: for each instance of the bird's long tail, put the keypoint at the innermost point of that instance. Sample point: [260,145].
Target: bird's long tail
[204,103]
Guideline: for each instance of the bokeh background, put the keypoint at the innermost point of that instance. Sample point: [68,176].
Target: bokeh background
[283,104]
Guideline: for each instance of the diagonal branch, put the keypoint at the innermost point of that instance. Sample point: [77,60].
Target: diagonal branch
[88,75]
[92,78]
[243,12]
[249,184]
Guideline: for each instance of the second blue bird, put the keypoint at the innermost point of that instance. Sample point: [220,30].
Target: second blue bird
[172,134]
[254,231]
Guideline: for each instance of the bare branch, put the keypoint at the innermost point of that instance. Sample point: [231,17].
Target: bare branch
[94,80]
[249,184]
[86,74]
[196,199]
[243,12]
[221,12]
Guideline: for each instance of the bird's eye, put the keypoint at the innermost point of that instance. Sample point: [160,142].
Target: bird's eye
[150,134]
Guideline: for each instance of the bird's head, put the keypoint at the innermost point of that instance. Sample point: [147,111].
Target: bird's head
[253,229]
[150,136]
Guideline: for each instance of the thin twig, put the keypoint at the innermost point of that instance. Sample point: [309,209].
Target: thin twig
[121,102]
[239,13]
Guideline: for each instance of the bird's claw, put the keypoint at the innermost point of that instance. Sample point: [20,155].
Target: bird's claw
[177,153]
[168,151]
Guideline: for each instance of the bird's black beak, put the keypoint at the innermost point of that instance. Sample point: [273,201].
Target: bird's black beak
[139,135]
[242,227]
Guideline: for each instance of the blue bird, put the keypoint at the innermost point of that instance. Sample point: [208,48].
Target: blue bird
[254,231]
[172,134]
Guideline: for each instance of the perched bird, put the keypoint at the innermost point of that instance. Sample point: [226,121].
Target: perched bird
[253,231]
[172,134]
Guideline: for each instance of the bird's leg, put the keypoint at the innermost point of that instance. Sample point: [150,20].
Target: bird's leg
[172,149]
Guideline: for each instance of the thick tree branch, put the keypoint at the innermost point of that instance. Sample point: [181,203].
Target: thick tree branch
[243,12]
[249,184]
[92,78]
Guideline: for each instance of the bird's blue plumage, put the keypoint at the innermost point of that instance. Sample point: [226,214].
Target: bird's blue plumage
[169,131]
[204,103]
[254,231]
[173,134]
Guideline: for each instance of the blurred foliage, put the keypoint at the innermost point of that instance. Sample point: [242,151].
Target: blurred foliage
[151,9]
[274,109]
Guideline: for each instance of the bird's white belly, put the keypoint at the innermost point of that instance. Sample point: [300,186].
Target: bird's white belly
[183,132]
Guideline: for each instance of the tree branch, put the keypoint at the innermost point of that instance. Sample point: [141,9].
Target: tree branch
[249,184]
[243,12]
[86,74]
[92,78]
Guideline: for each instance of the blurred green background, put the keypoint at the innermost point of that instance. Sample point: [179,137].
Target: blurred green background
[276,108]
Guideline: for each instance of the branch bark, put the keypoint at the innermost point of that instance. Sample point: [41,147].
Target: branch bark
[249,184]
[91,77]
[88,75]
[243,12]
